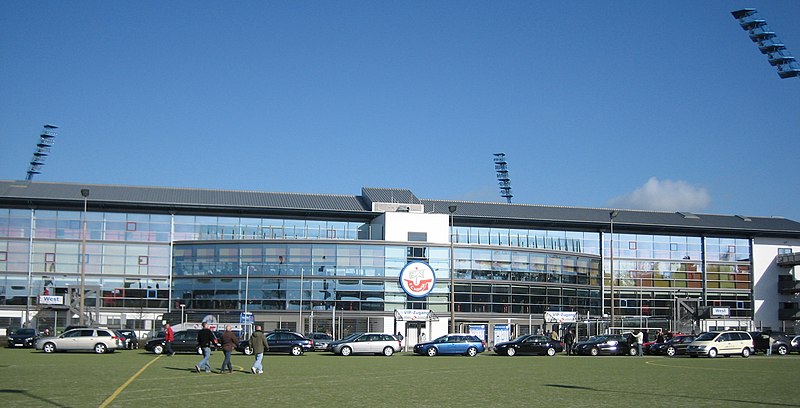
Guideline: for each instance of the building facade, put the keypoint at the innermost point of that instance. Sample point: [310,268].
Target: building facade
[313,262]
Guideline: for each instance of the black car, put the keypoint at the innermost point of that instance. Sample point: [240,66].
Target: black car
[607,344]
[672,347]
[131,340]
[529,344]
[281,341]
[185,342]
[23,337]
[781,343]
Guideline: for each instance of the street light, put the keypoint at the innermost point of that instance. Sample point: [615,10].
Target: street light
[452,210]
[612,215]
[82,309]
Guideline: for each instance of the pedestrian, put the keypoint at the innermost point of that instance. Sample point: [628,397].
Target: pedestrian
[554,335]
[204,339]
[259,344]
[229,342]
[169,337]
[770,342]
[569,341]
[639,342]
[659,336]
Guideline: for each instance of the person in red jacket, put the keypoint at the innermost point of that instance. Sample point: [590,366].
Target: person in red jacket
[169,337]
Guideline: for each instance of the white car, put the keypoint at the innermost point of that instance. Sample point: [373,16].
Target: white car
[725,343]
[366,343]
[99,340]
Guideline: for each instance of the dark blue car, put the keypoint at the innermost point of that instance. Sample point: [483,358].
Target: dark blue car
[466,344]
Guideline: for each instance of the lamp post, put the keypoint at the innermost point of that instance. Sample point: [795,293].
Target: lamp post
[82,308]
[612,215]
[183,308]
[452,210]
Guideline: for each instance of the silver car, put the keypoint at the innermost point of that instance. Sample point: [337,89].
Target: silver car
[100,340]
[366,343]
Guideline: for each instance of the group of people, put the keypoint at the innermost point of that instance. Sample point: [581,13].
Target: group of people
[229,342]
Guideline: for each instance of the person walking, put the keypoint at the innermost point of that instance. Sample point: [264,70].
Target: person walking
[229,342]
[569,341]
[169,337]
[204,339]
[259,344]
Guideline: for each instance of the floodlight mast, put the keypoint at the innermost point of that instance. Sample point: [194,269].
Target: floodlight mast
[503,180]
[767,42]
[46,139]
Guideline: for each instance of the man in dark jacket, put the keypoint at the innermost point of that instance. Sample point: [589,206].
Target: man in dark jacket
[259,344]
[229,342]
[204,339]
[569,341]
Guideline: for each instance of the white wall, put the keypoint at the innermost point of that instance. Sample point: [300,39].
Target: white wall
[397,225]
[767,300]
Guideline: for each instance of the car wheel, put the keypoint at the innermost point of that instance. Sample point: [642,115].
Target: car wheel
[551,351]
[472,352]
[346,351]
[594,351]
[745,352]
[296,350]
[671,351]
[511,351]
[158,349]
[782,350]
[388,351]
[100,348]
[248,351]
[432,351]
[712,353]
[49,348]
[632,351]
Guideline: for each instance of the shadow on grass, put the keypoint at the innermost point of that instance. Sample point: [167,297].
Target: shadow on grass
[31,396]
[650,393]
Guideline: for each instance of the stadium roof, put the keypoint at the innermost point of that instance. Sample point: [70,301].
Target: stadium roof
[47,195]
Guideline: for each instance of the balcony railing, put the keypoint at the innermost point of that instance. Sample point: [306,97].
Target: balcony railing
[788,285]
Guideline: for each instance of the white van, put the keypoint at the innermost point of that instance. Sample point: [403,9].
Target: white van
[726,343]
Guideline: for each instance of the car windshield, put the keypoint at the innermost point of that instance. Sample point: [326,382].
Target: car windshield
[706,336]
[25,332]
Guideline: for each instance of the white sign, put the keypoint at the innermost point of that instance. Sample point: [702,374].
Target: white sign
[51,300]
[560,317]
[412,314]
[720,311]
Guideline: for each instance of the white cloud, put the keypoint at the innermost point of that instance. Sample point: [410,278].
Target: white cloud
[664,195]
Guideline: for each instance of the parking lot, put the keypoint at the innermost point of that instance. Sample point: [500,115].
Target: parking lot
[134,378]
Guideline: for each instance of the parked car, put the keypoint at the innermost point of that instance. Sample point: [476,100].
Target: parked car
[726,343]
[131,340]
[530,344]
[675,346]
[366,343]
[281,341]
[23,337]
[99,339]
[456,343]
[607,344]
[185,342]
[781,342]
[321,340]
[795,344]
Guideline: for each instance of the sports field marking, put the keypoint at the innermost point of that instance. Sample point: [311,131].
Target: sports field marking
[651,362]
[119,389]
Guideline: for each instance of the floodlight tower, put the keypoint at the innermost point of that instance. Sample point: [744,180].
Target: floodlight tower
[46,140]
[501,166]
[768,43]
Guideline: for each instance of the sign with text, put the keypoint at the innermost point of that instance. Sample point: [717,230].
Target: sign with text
[720,311]
[51,300]
[560,317]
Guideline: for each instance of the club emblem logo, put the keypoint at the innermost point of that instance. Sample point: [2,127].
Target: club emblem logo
[417,279]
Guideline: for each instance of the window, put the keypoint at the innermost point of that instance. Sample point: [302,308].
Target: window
[784,251]
[417,236]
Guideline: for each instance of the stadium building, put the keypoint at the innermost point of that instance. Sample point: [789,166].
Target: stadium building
[382,261]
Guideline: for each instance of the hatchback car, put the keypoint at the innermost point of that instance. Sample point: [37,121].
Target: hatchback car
[131,340]
[366,343]
[606,344]
[530,344]
[281,341]
[23,337]
[321,340]
[781,342]
[726,343]
[464,344]
[100,340]
[185,342]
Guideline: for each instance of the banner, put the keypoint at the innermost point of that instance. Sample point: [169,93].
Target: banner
[560,317]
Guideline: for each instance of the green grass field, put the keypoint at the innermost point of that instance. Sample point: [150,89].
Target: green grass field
[124,379]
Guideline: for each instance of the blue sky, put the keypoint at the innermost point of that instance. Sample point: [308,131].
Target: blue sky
[629,104]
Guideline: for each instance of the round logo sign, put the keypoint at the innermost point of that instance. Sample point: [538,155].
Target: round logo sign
[417,279]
